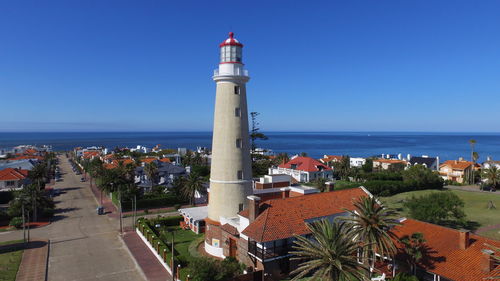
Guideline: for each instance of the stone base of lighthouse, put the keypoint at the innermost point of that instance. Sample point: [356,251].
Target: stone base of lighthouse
[213,238]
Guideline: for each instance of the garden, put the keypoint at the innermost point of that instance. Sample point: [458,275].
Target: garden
[161,231]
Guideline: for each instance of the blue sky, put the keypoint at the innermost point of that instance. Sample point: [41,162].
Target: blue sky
[314,65]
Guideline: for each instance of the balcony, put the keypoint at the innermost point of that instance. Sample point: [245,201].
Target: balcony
[235,72]
[268,253]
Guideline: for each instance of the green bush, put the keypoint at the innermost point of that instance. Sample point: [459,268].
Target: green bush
[206,269]
[443,208]
[16,222]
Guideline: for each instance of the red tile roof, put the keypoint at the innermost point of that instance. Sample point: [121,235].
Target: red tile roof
[283,218]
[446,258]
[306,164]
[149,159]
[330,158]
[456,165]
[12,174]
[39,158]
[165,160]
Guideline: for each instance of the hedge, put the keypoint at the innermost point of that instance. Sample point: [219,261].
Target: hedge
[159,202]
[389,187]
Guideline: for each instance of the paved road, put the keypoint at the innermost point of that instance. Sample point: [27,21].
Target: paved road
[84,246]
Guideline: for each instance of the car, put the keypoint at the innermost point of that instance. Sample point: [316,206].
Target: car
[82,179]
[59,179]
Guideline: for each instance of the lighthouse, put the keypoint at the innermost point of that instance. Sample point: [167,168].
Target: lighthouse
[231,169]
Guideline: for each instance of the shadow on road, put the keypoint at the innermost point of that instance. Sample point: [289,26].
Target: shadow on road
[18,246]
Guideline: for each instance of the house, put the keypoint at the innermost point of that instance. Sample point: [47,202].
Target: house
[13,178]
[357,162]
[261,235]
[450,254]
[303,169]
[272,181]
[167,173]
[491,163]
[25,164]
[455,170]
[429,162]
[389,164]
[194,218]
[330,159]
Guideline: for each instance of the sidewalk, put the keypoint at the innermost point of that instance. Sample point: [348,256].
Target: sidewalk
[108,205]
[34,263]
[151,267]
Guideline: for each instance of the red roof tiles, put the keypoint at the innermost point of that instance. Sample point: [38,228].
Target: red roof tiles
[11,174]
[283,218]
[445,257]
[456,165]
[306,164]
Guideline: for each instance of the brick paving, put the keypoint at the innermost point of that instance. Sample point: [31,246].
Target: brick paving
[149,264]
[34,263]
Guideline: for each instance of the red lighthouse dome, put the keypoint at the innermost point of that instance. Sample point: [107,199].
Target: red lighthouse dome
[230,50]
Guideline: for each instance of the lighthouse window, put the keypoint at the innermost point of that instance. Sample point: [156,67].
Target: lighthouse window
[237,112]
[240,175]
[236,90]
[238,143]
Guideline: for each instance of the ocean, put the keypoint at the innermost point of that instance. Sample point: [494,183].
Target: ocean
[355,144]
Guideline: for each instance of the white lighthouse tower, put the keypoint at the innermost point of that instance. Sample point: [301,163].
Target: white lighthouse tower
[231,170]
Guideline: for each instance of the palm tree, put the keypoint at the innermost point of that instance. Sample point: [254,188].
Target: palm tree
[282,158]
[414,247]
[491,175]
[372,225]
[328,254]
[151,170]
[472,143]
[192,184]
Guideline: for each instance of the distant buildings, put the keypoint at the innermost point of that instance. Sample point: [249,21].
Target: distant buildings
[303,169]
[389,164]
[428,162]
[166,174]
[357,162]
[455,170]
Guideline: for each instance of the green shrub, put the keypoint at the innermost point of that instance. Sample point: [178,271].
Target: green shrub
[438,207]
[16,222]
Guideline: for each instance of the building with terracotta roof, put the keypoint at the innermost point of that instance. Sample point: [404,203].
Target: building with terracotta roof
[303,169]
[330,159]
[455,170]
[449,254]
[261,235]
[13,178]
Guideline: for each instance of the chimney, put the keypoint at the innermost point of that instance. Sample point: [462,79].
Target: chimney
[285,193]
[463,239]
[487,260]
[330,186]
[253,207]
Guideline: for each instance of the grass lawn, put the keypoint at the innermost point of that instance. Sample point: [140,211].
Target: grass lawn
[10,260]
[182,241]
[475,207]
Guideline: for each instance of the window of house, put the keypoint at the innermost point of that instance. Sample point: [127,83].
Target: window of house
[240,207]
[238,143]
[240,175]
[236,90]
[11,183]
[237,112]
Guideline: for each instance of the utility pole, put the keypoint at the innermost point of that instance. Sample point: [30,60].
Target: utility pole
[120,199]
[135,211]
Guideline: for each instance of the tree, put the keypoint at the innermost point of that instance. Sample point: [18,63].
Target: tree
[151,170]
[328,254]
[192,184]
[320,184]
[404,277]
[207,269]
[255,133]
[472,143]
[33,199]
[372,225]
[438,207]
[414,248]
[492,176]
[368,166]
[343,167]
[420,177]
[38,177]
[281,158]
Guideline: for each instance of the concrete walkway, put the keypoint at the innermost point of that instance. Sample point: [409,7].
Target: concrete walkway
[149,264]
[34,263]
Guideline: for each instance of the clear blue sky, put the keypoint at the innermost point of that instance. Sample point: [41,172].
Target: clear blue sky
[314,65]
